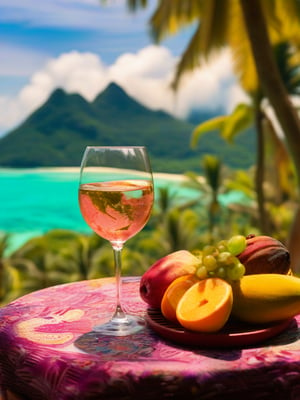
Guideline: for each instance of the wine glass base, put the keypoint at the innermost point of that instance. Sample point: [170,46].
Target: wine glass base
[121,326]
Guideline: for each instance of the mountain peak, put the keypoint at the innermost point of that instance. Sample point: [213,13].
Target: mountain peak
[115,101]
[112,94]
[114,89]
[57,94]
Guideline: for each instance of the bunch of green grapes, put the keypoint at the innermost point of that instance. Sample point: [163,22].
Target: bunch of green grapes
[221,260]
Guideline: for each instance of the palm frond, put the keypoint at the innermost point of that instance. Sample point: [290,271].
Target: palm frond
[133,5]
[210,35]
[4,243]
[190,58]
[243,62]
[242,181]
[272,18]
[213,124]
[240,119]
[288,65]
[289,11]
[214,25]
[172,15]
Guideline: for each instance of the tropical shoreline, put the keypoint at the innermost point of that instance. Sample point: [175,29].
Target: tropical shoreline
[156,175]
[36,200]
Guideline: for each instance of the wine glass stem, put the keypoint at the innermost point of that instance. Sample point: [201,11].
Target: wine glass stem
[119,313]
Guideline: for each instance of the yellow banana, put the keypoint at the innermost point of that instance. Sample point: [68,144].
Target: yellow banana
[262,298]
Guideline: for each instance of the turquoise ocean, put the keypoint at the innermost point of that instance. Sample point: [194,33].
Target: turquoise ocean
[34,201]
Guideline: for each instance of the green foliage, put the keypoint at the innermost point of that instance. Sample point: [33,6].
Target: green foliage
[213,124]
[229,126]
[212,168]
[61,256]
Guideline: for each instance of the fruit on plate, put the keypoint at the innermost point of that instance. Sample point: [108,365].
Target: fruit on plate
[212,261]
[263,298]
[205,306]
[173,294]
[158,277]
[263,255]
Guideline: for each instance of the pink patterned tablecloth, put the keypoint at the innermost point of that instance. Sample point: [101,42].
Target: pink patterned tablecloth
[40,360]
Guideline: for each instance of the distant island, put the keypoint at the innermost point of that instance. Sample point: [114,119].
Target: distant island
[56,134]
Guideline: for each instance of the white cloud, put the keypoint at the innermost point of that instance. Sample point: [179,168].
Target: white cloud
[145,75]
[210,87]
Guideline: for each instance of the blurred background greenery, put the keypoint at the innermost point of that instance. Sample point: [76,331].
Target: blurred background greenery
[264,37]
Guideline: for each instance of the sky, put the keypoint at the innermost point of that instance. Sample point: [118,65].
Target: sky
[83,45]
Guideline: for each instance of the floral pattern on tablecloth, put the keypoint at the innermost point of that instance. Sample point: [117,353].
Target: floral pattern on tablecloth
[48,353]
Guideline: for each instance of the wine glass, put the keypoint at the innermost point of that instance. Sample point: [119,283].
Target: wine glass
[116,195]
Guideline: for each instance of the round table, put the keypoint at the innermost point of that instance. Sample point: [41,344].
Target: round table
[47,353]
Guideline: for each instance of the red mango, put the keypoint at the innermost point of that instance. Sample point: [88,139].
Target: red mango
[158,277]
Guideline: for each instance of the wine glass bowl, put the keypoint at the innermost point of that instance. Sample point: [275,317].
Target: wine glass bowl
[116,195]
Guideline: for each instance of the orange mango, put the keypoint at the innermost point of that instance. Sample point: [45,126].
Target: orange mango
[205,306]
[174,293]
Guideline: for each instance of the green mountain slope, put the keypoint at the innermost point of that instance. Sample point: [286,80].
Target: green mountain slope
[57,133]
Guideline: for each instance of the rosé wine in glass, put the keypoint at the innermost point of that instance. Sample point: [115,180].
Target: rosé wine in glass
[116,196]
[116,210]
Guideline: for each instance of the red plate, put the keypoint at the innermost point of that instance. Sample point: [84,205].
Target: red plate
[234,333]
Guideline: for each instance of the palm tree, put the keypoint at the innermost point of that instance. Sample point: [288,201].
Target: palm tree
[173,221]
[212,171]
[246,115]
[274,89]
[209,188]
[179,229]
[249,28]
